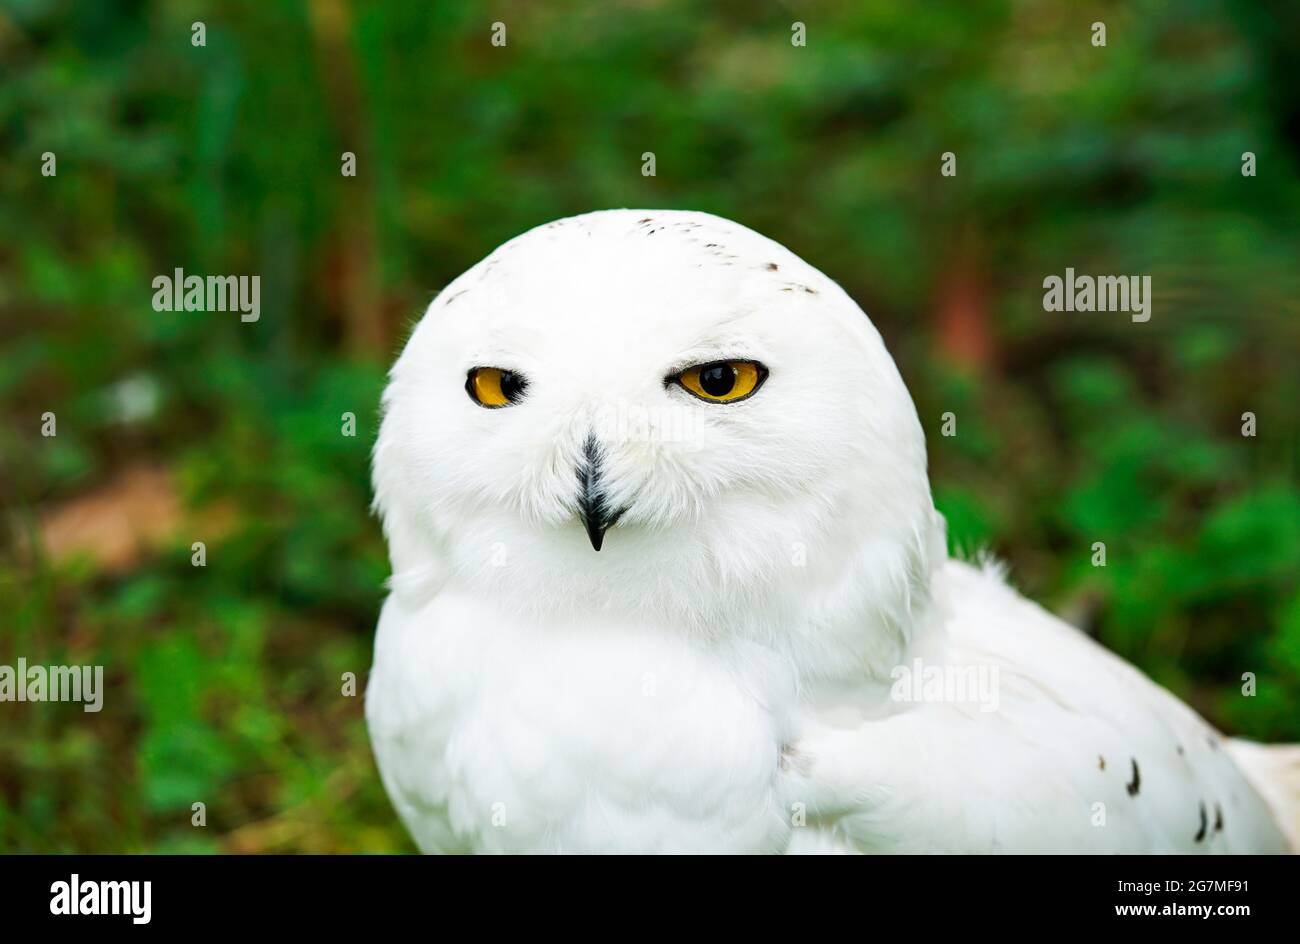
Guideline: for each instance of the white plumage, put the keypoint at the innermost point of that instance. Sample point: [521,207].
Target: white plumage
[771,650]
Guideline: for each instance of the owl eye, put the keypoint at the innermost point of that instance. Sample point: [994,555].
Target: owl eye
[723,381]
[493,387]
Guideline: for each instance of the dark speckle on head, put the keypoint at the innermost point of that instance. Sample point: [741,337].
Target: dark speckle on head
[646,220]
[1218,818]
[1133,786]
[1101,763]
[1200,833]
[772,267]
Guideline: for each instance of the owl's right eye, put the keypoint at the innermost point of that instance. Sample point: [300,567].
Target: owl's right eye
[493,387]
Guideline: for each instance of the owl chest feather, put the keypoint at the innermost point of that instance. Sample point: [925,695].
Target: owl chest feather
[497,735]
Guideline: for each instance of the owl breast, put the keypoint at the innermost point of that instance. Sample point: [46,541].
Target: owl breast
[495,735]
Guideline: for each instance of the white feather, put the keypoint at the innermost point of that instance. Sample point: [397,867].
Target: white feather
[728,672]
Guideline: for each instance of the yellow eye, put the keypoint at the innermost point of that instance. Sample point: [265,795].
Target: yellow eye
[723,381]
[493,387]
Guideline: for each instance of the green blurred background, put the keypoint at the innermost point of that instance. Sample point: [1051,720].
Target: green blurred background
[224,682]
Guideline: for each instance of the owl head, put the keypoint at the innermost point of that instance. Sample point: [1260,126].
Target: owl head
[661,418]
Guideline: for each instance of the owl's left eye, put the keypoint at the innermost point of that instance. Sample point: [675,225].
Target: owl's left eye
[493,387]
[722,381]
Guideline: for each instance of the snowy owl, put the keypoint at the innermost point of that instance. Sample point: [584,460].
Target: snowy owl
[667,576]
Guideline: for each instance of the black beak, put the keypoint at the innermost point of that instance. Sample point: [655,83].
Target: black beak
[597,516]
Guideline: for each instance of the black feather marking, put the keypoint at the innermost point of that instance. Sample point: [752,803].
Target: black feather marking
[1133,787]
[1200,833]
[1218,818]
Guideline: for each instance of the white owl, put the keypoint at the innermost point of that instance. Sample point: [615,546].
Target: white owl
[667,576]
